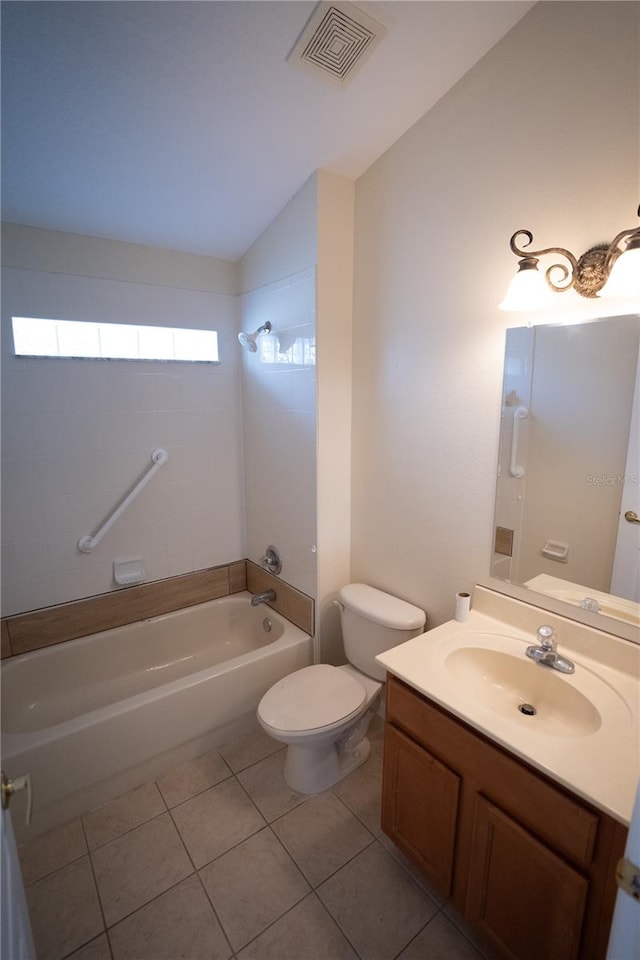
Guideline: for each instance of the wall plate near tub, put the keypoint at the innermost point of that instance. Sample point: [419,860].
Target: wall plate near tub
[128,572]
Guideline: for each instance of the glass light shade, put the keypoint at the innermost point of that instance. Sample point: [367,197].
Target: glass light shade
[527,290]
[624,279]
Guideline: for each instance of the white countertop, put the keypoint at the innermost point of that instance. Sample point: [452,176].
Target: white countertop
[600,763]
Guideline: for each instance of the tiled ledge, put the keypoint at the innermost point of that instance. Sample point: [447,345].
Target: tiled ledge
[41,628]
[290,603]
[66,621]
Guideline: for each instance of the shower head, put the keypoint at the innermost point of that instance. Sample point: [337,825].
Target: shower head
[248,340]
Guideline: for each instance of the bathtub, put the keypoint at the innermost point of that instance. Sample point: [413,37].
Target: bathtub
[94,717]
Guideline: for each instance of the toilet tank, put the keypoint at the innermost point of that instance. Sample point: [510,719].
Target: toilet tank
[374,621]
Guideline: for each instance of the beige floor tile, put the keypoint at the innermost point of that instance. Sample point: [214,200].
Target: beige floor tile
[243,751]
[376,904]
[418,875]
[98,949]
[216,820]
[111,820]
[135,868]
[52,850]
[179,923]
[440,940]
[306,932]
[64,910]
[265,784]
[252,885]
[362,792]
[192,778]
[454,915]
[321,835]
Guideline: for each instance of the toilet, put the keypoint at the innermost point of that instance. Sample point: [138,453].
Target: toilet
[322,712]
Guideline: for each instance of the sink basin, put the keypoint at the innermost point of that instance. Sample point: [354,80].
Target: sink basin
[584,728]
[504,682]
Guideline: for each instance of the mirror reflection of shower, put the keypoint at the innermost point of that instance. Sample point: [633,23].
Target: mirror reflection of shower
[248,340]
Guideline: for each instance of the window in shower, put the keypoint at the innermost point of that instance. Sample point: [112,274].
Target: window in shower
[37,337]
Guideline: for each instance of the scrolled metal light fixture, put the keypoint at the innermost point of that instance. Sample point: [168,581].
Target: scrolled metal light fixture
[607,269]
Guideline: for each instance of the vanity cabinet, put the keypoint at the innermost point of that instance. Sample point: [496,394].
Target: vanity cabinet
[529,865]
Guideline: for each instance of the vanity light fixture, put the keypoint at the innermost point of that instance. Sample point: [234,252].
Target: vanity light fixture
[606,270]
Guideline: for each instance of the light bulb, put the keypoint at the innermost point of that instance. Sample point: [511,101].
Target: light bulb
[624,279]
[527,290]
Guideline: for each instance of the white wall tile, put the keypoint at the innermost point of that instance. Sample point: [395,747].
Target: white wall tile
[24,521]
[279,431]
[20,480]
[78,434]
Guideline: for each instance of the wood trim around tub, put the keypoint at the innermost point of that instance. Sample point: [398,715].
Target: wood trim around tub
[5,647]
[41,628]
[291,603]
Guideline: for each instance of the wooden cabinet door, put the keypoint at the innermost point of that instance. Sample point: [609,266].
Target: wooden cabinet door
[420,806]
[528,901]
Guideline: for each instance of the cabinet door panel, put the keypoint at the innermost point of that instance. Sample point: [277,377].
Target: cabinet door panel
[420,806]
[526,899]
[548,812]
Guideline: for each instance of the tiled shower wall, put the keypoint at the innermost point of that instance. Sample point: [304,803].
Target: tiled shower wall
[78,433]
[279,403]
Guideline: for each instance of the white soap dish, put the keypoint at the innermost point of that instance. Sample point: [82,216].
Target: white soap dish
[128,572]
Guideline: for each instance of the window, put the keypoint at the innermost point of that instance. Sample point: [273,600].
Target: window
[33,337]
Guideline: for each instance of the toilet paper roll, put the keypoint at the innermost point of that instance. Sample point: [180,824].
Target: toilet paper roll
[463,602]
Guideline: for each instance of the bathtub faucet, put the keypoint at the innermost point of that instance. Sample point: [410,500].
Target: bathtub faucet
[266,597]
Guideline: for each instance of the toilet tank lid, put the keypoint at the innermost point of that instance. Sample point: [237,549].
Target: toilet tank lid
[381,607]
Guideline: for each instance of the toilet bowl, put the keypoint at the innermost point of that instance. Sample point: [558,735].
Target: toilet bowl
[323,712]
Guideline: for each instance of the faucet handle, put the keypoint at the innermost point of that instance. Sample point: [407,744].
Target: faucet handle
[546,636]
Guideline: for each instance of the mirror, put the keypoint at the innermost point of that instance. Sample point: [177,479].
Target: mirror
[568,466]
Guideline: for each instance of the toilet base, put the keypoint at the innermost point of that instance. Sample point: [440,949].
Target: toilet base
[312,768]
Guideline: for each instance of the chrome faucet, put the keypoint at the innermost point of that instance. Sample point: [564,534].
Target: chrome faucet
[546,651]
[267,596]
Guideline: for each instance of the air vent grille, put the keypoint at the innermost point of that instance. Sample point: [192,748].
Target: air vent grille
[336,39]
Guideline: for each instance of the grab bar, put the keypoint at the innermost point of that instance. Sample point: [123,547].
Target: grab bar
[89,543]
[520,413]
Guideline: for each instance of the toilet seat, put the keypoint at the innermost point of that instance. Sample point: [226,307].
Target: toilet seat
[311,698]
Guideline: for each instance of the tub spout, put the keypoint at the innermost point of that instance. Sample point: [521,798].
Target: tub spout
[266,597]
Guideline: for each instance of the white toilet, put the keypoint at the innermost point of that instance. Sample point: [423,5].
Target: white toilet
[323,712]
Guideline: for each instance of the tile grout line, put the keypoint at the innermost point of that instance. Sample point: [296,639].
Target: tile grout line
[215,913]
[97,889]
[217,857]
[129,829]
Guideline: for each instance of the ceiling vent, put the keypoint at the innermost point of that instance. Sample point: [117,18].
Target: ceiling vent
[337,38]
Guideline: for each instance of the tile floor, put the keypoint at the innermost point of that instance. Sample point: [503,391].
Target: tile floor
[218,859]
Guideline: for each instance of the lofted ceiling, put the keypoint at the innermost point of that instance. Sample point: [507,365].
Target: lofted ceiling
[183,125]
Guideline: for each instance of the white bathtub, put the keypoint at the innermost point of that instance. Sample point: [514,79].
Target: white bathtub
[97,716]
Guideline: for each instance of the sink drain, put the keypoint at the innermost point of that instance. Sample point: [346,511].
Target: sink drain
[528,709]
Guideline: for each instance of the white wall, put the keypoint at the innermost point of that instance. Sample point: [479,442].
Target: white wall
[336,214]
[77,433]
[542,134]
[278,280]
[297,428]
[288,245]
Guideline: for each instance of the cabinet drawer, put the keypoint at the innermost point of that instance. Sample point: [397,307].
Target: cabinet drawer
[519,790]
